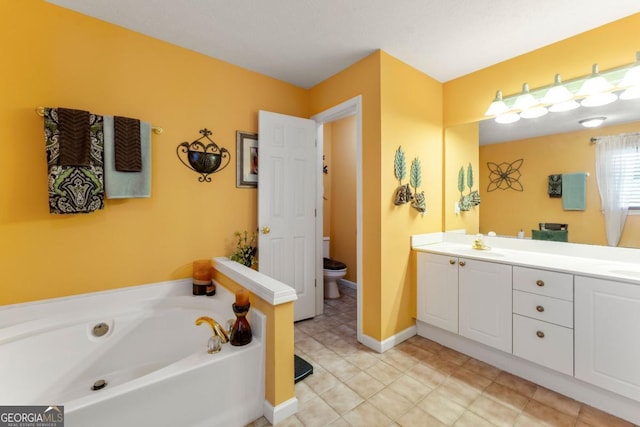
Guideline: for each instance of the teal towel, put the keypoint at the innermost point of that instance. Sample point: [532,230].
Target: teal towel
[125,185]
[574,191]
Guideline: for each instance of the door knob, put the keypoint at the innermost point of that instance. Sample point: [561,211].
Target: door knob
[452,261]
[462,263]
[266,230]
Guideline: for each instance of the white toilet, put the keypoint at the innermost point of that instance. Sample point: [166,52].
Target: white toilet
[332,271]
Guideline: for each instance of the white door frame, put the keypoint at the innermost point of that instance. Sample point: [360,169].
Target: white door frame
[348,108]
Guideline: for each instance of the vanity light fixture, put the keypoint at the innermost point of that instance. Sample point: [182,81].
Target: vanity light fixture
[596,90]
[529,106]
[559,98]
[592,122]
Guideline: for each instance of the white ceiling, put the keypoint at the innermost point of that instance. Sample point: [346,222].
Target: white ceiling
[303,42]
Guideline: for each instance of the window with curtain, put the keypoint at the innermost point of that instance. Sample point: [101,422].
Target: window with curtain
[618,177]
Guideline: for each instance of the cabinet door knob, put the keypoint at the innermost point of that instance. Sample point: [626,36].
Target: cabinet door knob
[462,263]
[540,334]
[539,283]
[540,308]
[452,261]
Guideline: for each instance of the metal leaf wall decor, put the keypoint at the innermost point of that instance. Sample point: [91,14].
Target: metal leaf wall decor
[403,192]
[415,178]
[505,175]
[467,201]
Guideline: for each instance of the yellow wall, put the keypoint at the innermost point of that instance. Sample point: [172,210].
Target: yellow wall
[411,104]
[401,106]
[461,148]
[55,57]
[342,175]
[506,212]
[362,78]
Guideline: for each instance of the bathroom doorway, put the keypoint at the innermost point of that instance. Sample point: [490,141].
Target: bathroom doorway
[345,122]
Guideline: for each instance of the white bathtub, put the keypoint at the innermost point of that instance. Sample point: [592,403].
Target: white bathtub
[153,358]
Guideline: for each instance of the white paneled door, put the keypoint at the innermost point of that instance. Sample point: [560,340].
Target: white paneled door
[287,205]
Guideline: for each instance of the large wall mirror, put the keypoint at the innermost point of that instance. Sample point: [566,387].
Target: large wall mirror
[552,144]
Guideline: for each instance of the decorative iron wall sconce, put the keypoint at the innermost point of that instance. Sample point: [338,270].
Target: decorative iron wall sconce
[204,159]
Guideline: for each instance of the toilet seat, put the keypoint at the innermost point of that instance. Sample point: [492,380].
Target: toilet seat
[332,264]
[333,270]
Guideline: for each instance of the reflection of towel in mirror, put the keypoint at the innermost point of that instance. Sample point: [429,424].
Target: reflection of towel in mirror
[574,191]
[555,185]
[123,185]
[73,188]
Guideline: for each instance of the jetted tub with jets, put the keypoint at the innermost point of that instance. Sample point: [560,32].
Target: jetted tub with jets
[132,357]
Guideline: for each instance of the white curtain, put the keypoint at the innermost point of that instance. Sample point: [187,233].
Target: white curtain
[610,175]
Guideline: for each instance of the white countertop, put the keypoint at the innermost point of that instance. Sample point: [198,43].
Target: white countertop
[618,264]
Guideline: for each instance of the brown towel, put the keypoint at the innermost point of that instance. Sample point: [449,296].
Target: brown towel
[75,143]
[128,153]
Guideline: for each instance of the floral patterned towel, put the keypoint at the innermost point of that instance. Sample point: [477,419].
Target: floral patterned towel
[74,189]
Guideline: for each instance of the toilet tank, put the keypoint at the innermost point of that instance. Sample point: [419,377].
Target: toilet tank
[325,247]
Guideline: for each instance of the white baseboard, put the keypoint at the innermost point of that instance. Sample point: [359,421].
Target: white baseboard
[569,386]
[348,283]
[392,341]
[278,413]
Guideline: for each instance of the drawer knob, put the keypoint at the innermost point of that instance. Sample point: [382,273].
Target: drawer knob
[452,261]
[462,263]
[540,308]
[540,334]
[539,283]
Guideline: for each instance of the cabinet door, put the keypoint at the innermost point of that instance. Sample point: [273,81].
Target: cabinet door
[607,335]
[438,291]
[485,302]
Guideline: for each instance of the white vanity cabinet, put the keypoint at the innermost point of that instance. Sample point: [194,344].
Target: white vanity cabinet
[467,297]
[607,335]
[485,302]
[438,290]
[543,317]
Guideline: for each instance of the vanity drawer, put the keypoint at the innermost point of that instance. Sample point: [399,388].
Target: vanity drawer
[552,310]
[543,282]
[543,343]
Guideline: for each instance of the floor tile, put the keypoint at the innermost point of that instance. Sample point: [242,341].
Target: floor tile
[315,413]
[367,415]
[304,392]
[416,417]
[494,412]
[597,418]
[505,396]
[481,368]
[441,407]
[365,385]
[427,375]
[321,380]
[522,386]
[341,398]
[469,419]
[384,372]
[362,359]
[410,388]
[544,415]
[557,401]
[392,404]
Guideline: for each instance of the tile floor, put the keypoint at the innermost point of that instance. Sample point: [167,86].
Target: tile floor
[417,383]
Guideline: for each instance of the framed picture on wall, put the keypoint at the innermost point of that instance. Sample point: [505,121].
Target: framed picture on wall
[247,159]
